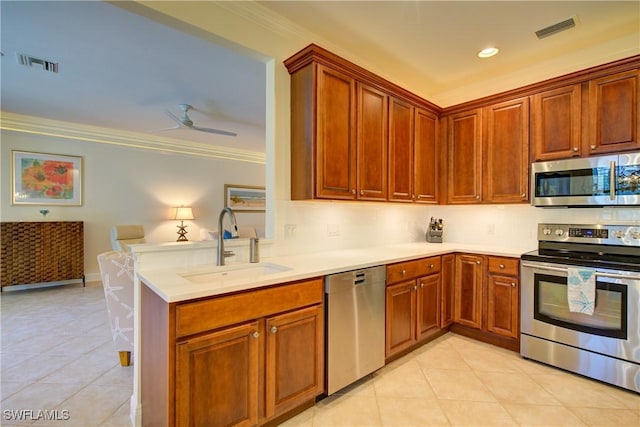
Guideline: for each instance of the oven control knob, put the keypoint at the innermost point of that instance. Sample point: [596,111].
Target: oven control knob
[619,234]
[635,234]
[559,232]
[546,231]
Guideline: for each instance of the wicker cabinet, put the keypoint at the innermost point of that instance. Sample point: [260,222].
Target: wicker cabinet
[39,252]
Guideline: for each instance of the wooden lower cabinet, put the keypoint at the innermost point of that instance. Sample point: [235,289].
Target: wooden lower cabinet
[197,371]
[487,299]
[212,368]
[412,304]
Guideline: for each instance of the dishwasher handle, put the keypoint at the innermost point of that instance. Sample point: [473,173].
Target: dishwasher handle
[342,282]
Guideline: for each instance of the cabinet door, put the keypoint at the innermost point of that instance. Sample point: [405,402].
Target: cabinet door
[335,135]
[614,102]
[426,157]
[210,369]
[400,151]
[294,359]
[372,138]
[506,152]
[428,308]
[557,122]
[465,158]
[468,290]
[401,317]
[447,276]
[502,305]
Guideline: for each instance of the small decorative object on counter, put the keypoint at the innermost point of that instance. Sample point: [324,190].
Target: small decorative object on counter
[44,212]
[254,250]
[434,230]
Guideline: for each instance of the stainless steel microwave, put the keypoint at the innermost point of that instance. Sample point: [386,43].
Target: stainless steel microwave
[588,182]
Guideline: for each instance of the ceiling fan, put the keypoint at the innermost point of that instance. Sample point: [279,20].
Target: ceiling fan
[185,122]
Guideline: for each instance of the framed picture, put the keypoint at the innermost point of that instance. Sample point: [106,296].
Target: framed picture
[243,198]
[46,179]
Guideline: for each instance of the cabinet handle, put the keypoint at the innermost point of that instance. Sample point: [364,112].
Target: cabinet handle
[575,149]
[255,334]
[501,265]
[274,329]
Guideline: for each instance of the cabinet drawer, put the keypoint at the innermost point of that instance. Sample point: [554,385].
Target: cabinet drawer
[507,266]
[412,269]
[216,312]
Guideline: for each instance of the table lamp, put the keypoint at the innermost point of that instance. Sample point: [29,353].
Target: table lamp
[182,213]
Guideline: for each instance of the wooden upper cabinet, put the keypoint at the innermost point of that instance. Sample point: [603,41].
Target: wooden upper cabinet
[464,174]
[614,103]
[506,152]
[426,157]
[371,164]
[335,135]
[401,155]
[556,123]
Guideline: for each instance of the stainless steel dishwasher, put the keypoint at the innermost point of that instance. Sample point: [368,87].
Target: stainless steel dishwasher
[355,325]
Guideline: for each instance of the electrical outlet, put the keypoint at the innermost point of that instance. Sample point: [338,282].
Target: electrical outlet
[491,230]
[290,231]
[333,230]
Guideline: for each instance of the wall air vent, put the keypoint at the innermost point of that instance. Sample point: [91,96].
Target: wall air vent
[556,28]
[32,61]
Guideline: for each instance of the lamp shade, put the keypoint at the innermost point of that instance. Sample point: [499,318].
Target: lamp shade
[183,213]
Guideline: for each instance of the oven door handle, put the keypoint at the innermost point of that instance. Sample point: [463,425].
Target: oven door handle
[598,274]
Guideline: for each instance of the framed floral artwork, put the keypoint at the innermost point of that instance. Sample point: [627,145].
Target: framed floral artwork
[244,198]
[46,179]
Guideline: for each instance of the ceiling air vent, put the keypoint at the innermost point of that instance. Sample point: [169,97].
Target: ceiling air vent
[556,28]
[32,61]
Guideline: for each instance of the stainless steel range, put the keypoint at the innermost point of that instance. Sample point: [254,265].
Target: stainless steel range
[595,332]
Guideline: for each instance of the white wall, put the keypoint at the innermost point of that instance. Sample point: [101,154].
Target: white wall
[131,186]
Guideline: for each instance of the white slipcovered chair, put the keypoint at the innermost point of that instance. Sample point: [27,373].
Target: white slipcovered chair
[124,235]
[116,270]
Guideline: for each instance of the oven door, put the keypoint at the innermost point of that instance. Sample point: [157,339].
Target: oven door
[612,329]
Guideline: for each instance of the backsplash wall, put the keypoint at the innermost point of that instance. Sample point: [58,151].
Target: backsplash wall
[305,227]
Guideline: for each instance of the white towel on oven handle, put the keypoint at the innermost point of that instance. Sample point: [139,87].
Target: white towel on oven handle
[581,290]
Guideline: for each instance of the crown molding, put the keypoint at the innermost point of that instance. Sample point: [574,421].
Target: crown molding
[54,128]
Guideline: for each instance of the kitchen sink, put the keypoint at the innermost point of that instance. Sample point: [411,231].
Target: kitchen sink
[236,273]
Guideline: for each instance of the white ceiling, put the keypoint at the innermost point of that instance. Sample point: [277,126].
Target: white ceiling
[120,70]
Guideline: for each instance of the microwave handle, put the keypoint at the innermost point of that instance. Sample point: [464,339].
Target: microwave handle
[597,273]
[612,180]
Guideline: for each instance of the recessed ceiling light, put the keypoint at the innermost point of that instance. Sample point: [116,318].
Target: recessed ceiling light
[488,52]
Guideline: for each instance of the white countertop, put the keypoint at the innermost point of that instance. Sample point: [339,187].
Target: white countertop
[172,285]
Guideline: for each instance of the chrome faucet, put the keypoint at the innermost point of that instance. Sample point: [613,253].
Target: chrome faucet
[222,254]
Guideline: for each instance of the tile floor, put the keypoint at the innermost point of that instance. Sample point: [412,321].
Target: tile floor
[57,354]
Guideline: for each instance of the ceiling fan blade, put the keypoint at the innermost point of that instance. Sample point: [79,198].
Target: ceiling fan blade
[174,117]
[216,131]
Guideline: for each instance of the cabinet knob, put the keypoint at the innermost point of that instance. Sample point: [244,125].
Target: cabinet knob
[421,285]
[415,288]
[513,285]
[575,149]
[403,272]
[478,262]
[431,266]
[593,147]
[501,265]
[362,192]
[255,334]
[523,195]
[274,329]
[353,191]
[477,197]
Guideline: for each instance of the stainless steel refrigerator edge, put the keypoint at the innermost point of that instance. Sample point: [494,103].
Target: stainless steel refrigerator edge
[355,325]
